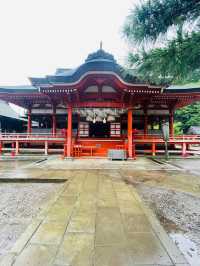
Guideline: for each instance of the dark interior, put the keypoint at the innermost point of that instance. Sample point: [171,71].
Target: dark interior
[99,130]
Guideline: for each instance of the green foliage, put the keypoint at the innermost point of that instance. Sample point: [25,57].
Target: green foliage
[178,62]
[178,128]
[154,17]
[188,116]
[175,62]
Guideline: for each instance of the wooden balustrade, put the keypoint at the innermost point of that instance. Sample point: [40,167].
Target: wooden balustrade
[91,146]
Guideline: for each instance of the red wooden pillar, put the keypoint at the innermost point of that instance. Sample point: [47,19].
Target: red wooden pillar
[12,149]
[79,119]
[171,124]
[46,147]
[153,149]
[53,124]
[184,149]
[1,147]
[17,147]
[145,123]
[69,132]
[130,133]
[54,121]
[29,124]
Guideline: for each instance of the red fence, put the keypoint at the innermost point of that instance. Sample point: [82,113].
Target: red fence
[159,137]
[20,136]
[92,146]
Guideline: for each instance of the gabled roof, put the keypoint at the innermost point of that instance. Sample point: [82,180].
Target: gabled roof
[7,111]
[18,89]
[98,62]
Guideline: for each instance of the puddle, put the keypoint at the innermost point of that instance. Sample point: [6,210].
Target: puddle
[179,237]
[178,213]
[187,247]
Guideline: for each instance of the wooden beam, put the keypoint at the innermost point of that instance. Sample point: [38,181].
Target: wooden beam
[104,104]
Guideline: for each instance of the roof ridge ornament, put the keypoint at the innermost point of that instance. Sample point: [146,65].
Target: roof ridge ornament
[101,45]
[100,55]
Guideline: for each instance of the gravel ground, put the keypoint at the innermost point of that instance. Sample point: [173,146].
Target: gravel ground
[18,205]
[179,213]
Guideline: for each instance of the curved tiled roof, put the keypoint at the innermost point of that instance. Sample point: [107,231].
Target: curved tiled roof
[99,61]
[7,111]
[19,89]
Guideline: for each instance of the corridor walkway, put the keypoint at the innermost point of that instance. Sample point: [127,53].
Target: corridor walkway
[96,220]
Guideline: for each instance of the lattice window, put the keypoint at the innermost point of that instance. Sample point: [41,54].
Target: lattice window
[115,129]
[83,129]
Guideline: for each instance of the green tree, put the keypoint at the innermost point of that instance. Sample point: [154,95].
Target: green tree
[178,60]
[152,18]
[178,128]
[188,116]
[165,60]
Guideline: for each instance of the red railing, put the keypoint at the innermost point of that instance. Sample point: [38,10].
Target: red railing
[63,135]
[159,137]
[30,136]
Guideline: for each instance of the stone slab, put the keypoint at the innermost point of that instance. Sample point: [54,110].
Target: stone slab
[96,220]
[146,248]
[76,249]
[82,222]
[49,233]
[136,223]
[59,214]
[109,229]
[112,256]
[36,255]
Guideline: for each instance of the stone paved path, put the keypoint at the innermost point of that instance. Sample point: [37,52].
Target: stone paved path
[96,220]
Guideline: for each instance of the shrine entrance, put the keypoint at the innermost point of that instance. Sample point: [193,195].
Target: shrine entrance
[96,107]
[102,123]
[99,130]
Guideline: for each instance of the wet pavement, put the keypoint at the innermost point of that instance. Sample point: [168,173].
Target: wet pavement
[187,246]
[141,163]
[179,214]
[177,180]
[97,219]
[14,165]
[190,165]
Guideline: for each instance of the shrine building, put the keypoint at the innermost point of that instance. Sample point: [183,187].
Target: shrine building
[96,107]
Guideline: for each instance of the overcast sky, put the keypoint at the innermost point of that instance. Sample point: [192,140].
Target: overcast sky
[38,36]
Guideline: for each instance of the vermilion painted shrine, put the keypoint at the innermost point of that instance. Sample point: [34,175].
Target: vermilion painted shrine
[96,107]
